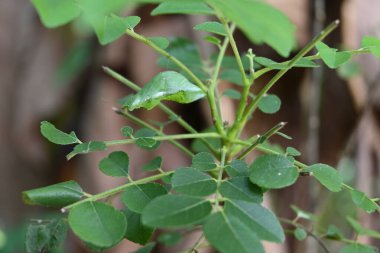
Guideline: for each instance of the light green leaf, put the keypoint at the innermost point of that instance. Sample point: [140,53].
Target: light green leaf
[260,23]
[98,224]
[257,218]
[327,176]
[358,248]
[137,232]
[54,13]
[167,85]
[211,27]
[161,42]
[175,211]
[269,104]
[154,164]
[115,165]
[146,249]
[362,230]
[302,214]
[50,132]
[87,147]
[144,141]
[300,234]
[170,239]
[203,161]
[237,168]
[114,27]
[56,195]
[292,151]
[349,70]
[192,182]
[213,40]
[136,197]
[127,131]
[361,200]
[273,172]
[302,63]
[240,188]
[47,236]
[231,93]
[331,56]
[334,233]
[228,234]
[183,7]
[373,44]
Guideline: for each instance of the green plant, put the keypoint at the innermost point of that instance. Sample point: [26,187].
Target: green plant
[219,194]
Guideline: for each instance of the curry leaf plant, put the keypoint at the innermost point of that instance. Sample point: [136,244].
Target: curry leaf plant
[218,193]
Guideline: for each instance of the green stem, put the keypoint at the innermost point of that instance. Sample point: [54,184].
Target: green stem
[262,139]
[235,131]
[165,138]
[157,131]
[163,107]
[117,190]
[220,175]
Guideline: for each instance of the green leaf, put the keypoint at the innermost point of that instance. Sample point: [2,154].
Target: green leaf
[301,63]
[192,182]
[269,104]
[273,172]
[114,27]
[56,195]
[349,70]
[300,234]
[136,197]
[170,239]
[182,7]
[167,85]
[260,22]
[115,165]
[361,200]
[331,56]
[231,93]
[240,188]
[98,224]
[54,13]
[161,42]
[47,236]
[50,132]
[175,211]
[237,168]
[127,131]
[144,141]
[137,232]
[357,248]
[327,176]
[292,151]
[228,234]
[211,27]
[301,214]
[146,249]
[203,161]
[232,76]
[373,44]
[362,230]
[87,147]
[257,218]
[213,40]
[154,164]
[187,52]
[334,233]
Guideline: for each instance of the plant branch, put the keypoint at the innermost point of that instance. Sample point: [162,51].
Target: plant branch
[163,107]
[235,131]
[159,132]
[117,190]
[220,175]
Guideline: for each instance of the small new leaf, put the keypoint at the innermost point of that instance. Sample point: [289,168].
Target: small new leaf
[300,234]
[269,104]
[54,135]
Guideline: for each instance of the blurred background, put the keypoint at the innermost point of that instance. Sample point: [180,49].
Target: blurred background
[56,75]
